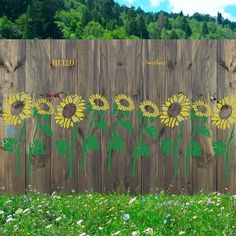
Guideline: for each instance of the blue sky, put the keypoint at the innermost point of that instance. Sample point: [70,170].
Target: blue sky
[211,7]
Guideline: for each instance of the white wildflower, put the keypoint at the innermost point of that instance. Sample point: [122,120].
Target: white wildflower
[19,211]
[1,212]
[181,232]
[132,200]
[148,231]
[100,228]
[194,217]
[134,233]
[48,226]
[10,219]
[58,219]
[8,201]
[26,210]
[83,234]
[79,222]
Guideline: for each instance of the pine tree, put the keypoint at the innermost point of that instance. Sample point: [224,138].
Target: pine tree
[219,18]
[204,30]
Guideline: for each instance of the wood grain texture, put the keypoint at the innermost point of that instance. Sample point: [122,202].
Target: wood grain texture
[12,80]
[195,68]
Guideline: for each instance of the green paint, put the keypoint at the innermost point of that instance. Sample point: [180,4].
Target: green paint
[71,149]
[176,148]
[18,150]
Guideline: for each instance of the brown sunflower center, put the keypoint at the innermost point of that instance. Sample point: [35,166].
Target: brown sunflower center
[99,102]
[149,109]
[124,102]
[201,108]
[44,107]
[174,109]
[225,112]
[69,110]
[17,107]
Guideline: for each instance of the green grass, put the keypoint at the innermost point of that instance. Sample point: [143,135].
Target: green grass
[100,214]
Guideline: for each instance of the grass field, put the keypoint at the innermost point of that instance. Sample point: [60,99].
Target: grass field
[98,214]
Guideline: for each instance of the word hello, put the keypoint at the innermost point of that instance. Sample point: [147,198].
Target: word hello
[62,63]
[155,62]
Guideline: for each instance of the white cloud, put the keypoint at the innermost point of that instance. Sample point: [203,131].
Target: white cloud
[155,3]
[130,1]
[210,7]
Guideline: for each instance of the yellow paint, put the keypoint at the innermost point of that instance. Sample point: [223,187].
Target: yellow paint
[155,62]
[62,63]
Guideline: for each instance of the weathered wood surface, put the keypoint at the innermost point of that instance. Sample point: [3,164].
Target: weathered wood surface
[195,68]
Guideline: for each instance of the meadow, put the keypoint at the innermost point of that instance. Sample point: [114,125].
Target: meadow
[117,214]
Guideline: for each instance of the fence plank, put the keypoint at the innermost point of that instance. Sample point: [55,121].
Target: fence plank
[12,80]
[226,86]
[38,85]
[204,74]
[63,79]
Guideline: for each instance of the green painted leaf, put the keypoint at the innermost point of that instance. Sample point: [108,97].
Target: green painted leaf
[219,148]
[46,129]
[231,136]
[167,146]
[61,147]
[139,115]
[152,119]
[115,108]
[101,113]
[196,149]
[141,149]
[127,113]
[205,131]
[118,143]
[126,124]
[89,108]
[37,147]
[47,117]
[101,124]
[204,119]
[35,113]
[9,144]
[151,131]
[192,114]
[90,143]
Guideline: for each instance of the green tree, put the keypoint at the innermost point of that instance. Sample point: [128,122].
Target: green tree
[154,32]
[219,18]
[141,28]
[204,30]
[8,29]
[93,30]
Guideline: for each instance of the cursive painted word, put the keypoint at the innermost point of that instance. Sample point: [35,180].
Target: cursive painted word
[62,63]
[155,62]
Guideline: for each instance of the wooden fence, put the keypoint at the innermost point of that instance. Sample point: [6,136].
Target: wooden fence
[142,69]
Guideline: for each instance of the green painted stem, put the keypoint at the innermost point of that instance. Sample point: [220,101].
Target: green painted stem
[227,157]
[134,162]
[109,156]
[71,147]
[176,152]
[29,149]
[18,150]
[84,153]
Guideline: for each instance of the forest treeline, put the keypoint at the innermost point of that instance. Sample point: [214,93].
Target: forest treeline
[104,19]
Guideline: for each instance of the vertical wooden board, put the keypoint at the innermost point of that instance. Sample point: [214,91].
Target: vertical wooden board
[204,74]
[63,79]
[132,87]
[38,85]
[12,80]
[226,81]
[88,84]
[153,84]
[178,80]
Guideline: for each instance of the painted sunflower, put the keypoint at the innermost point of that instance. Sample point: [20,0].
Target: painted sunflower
[124,103]
[175,110]
[17,108]
[98,102]
[201,108]
[225,114]
[149,109]
[69,111]
[44,107]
